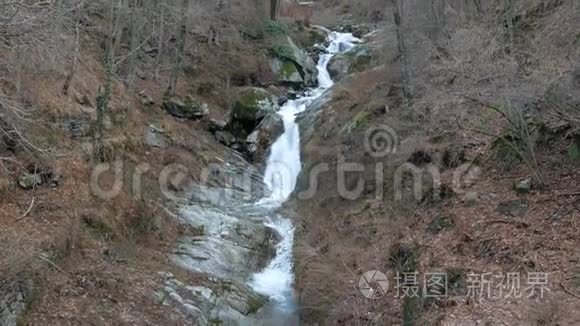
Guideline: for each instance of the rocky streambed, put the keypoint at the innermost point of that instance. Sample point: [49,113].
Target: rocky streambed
[241,244]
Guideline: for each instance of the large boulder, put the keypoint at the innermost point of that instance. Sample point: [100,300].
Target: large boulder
[354,60]
[187,108]
[14,296]
[230,302]
[251,105]
[286,49]
[260,140]
[286,73]
[231,246]
[361,30]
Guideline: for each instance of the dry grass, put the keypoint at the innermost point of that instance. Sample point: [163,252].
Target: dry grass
[464,57]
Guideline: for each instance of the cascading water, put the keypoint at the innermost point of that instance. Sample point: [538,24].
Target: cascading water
[282,169]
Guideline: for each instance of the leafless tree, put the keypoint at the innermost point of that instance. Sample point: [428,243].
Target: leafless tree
[104,92]
[274,9]
[179,48]
[399,24]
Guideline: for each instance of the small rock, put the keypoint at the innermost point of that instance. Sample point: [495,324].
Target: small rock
[140,74]
[82,99]
[513,208]
[29,181]
[282,100]
[292,94]
[108,122]
[360,30]
[225,138]
[189,108]
[217,125]
[146,99]
[150,50]
[155,137]
[523,186]
[470,198]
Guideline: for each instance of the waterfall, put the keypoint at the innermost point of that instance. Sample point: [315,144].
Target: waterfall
[282,169]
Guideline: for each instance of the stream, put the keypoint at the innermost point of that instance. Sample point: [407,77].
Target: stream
[246,246]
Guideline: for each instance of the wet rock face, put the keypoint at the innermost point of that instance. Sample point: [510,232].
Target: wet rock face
[13,296]
[356,59]
[265,134]
[231,303]
[230,247]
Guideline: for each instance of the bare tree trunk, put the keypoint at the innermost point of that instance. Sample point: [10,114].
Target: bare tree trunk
[73,67]
[135,22]
[118,26]
[104,92]
[478,6]
[179,48]
[160,40]
[510,21]
[398,15]
[274,9]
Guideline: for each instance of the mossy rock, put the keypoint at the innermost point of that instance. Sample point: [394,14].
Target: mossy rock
[252,104]
[354,60]
[286,72]
[285,49]
[187,108]
[29,181]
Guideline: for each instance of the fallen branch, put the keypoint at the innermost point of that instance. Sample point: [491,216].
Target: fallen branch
[51,263]
[28,210]
[563,208]
[518,224]
[568,291]
[572,194]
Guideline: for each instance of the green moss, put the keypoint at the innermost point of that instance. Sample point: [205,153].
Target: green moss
[288,70]
[360,119]
[574,152]
[252,99]
[275,28]
[282,51]
[252,102]
[360,58]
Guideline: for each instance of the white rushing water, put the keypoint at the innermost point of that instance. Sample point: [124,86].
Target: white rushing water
[282,169]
